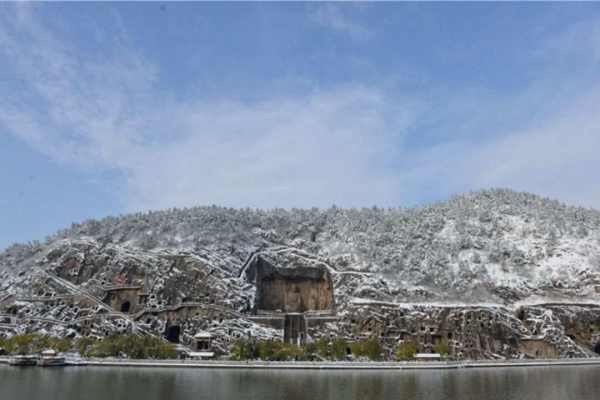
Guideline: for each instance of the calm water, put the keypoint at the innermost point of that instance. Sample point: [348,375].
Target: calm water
[90,383]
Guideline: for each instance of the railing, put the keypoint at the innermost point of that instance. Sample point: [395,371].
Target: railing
[339,365]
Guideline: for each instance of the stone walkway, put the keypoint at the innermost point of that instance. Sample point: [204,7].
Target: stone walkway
[406,365]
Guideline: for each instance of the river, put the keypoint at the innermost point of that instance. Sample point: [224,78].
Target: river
[108,383]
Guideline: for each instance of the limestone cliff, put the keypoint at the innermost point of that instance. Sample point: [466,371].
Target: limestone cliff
[493,273]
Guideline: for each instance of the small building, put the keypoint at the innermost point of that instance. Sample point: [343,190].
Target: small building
[50,358]
[202,346]
[203,341]
[49,353]
[428,357]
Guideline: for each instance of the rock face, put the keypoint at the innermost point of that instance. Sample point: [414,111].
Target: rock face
[490,274]
[291,289]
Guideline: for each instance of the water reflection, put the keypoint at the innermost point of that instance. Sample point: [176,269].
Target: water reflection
[549,383]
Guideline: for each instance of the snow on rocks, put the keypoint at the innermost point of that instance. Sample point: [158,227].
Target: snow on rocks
[494,248]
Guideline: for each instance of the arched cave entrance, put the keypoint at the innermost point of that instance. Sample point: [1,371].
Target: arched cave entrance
[597,348]
[172,333]
[125,306]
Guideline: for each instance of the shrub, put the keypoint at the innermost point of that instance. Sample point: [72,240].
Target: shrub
[267,348]
[370,348]
[357,349]
[271,350]
[84,345]
[406,350]
[60,344]
[373,349]
[243,350]
[34,343]
[132,346]
[275,350]
[442,347]
[21,344]
[310,350]
[322,346]
[158,348]
[285,352]
[296,352]
[339,349]
[106,347]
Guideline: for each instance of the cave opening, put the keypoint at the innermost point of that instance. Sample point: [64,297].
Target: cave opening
[294,330]
[172,333]
[294,294]
[125,307]
[597,348]
[294,289]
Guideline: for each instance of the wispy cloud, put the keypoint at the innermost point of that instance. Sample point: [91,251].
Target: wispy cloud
[552,157]
[343,145]
[316,148]
[338,17]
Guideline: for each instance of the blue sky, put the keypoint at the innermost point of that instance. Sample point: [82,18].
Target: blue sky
[108,108]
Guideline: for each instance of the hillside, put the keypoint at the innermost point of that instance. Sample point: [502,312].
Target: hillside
[494,248]
[495,245]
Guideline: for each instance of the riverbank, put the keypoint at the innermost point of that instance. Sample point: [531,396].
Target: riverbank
[341,365]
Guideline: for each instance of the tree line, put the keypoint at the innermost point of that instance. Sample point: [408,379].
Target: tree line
[130,346]
[324,350]
[150,347]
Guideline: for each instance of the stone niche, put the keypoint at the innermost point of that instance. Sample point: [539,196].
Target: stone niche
[291,289]
[124,299]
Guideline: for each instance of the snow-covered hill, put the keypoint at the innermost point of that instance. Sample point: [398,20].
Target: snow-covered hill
[496,273]
[489,246]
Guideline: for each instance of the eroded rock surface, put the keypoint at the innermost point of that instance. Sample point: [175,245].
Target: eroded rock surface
[493,274]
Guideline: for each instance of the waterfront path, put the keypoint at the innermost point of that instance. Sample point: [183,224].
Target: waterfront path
[323,365]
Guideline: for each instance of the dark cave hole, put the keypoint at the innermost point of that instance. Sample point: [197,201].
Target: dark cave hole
[125,307]
[172,333]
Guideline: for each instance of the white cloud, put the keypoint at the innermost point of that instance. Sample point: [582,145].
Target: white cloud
[337,17]
[340,145]
[553,151]
[318,148]
[555,158]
